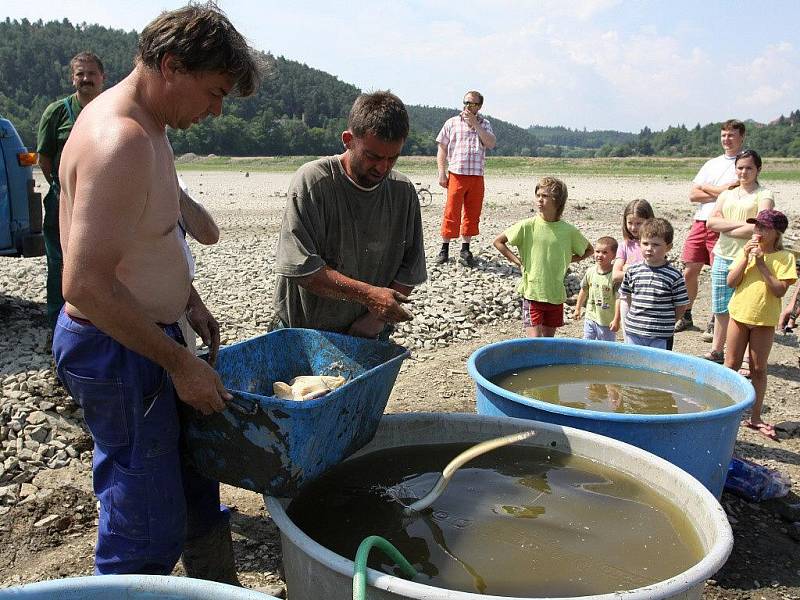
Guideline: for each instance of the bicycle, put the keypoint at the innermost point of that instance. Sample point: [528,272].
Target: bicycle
[424,193]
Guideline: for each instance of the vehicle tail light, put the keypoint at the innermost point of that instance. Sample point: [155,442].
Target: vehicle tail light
[27,159]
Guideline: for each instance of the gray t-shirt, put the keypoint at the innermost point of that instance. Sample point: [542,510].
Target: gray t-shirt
[373,236]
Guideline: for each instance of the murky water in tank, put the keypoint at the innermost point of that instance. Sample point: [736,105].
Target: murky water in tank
[613,389]
[520,521]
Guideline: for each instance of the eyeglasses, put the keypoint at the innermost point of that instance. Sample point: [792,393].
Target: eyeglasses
[468,103]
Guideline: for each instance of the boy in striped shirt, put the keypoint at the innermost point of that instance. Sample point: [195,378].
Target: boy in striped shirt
[655,290]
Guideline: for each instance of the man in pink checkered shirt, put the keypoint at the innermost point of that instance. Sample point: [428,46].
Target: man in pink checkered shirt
[463,142]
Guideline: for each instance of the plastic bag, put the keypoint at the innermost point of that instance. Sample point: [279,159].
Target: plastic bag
[755,482]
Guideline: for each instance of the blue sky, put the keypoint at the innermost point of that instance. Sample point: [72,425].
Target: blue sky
[599,64]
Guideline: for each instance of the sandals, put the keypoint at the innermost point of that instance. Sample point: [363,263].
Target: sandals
[765,429]
[715,356]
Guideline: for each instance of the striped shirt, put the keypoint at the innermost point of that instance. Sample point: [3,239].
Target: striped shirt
[466,155]
[655,292]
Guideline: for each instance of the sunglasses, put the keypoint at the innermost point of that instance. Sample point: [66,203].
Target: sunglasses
[468,103]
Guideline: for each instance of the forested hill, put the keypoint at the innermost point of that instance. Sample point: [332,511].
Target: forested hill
[299,110]
[779,138]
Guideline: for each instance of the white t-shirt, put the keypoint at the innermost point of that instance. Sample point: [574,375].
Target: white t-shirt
[717,171]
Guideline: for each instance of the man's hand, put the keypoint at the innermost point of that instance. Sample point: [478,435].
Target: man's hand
[471,119]
[384,303]
[198,385]
[614,325]
[578,313]
[444,178]
[204,324]
[367,326]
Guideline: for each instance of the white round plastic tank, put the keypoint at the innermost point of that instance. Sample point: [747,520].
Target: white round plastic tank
[313,572]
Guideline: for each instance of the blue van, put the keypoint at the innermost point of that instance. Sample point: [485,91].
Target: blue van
[20,206]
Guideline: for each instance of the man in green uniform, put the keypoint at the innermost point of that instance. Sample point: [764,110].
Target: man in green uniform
[57,120]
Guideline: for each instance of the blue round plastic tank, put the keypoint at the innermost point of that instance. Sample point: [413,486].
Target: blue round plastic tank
[131,587]
[700,443]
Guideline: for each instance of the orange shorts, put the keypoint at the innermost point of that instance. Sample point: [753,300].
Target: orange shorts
[463,191]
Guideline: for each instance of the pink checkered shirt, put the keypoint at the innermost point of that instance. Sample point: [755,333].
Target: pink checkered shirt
[465,153]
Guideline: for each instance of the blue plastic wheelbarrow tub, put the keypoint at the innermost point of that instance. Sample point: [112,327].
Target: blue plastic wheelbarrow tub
[131,587]
[268,445]
[699,443]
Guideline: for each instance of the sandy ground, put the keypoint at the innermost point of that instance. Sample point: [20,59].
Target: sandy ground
[235,278]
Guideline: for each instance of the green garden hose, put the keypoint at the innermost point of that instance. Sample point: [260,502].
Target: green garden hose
[360,569]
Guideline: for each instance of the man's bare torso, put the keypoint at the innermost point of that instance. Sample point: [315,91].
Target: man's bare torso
[151,263]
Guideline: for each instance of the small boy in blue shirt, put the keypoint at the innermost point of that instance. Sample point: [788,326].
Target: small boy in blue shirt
[655,290]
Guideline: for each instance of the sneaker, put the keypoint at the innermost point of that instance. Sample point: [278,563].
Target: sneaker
[683,324]
[466,258]
[442,257]
[708,334]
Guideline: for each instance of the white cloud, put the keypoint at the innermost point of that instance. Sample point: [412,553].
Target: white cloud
[767,82]
[598,63]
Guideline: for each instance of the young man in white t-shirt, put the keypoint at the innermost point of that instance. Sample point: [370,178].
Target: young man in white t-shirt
[713,178]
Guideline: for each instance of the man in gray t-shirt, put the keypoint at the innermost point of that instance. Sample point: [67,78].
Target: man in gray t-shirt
[350,248]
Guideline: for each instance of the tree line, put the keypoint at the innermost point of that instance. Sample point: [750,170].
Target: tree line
[299,110]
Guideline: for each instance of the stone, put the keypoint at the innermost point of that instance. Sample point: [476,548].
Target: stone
[794,531]
[39,434]
[37,417]
[790,428]
[47,520]
[27,489]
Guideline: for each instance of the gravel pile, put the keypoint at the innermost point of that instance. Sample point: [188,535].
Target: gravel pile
[40,428]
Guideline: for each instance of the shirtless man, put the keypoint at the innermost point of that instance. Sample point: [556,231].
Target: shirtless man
[117,346]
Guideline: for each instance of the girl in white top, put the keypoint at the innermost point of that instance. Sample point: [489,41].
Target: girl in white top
[743,200]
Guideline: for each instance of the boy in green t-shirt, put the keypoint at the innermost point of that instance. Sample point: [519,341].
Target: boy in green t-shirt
[598,292]
[546,246]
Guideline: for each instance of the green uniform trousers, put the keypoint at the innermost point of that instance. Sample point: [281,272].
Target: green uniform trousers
[52,247]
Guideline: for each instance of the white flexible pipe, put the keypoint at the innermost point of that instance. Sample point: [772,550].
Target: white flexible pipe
[453,466]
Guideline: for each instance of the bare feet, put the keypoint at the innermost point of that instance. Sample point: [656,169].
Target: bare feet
[744,370]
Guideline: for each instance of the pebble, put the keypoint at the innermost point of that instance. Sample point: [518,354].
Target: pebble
[47,520]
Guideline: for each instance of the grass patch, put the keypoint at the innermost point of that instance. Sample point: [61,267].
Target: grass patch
[775,169]
[268,164]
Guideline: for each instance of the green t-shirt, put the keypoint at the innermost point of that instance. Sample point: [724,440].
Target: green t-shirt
[545,249]
[54,129]
[600,297]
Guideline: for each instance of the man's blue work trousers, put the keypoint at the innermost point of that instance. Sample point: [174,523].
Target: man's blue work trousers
[150,502]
